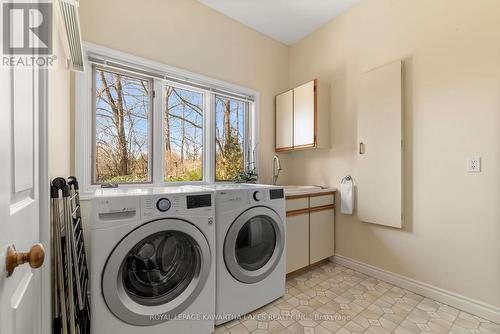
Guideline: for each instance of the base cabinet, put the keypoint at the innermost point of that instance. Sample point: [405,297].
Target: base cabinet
[321,231]
[310,230]
[297,231]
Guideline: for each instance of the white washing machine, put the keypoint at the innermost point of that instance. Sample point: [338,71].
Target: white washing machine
[251,245]
[153,261]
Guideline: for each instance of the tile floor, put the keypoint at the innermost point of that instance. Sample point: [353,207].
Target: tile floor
[335,299]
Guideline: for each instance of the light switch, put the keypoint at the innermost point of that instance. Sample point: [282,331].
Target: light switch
[474,165]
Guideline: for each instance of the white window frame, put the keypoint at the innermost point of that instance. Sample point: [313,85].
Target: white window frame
[84,118]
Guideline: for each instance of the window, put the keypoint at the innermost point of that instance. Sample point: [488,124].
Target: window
[229,137]
[121,129]
[183,134]
[143,126]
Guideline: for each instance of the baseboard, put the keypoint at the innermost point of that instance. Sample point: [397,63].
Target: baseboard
[475,307]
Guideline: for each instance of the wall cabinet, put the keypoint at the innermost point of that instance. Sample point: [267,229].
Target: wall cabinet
[302,117]
[310,230]
[380,155]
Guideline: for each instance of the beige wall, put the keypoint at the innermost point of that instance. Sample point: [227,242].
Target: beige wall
[60,123]
[452,92]
[191,36]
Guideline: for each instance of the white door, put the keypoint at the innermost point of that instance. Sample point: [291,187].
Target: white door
[20,294]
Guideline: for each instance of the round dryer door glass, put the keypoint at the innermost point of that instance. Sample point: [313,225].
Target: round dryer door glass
[160,267]
[156,272]
[255,242]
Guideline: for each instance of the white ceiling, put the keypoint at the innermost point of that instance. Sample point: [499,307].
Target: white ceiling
[285,20]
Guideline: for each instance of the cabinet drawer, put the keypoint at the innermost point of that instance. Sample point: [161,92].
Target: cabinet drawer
[321,234]
[297,238]
[297,203]
[321,200]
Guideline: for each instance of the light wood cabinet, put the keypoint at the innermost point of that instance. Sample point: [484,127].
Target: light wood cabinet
[303,117]
[310,229]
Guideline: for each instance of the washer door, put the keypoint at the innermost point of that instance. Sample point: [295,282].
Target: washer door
[254,244]
[156,272]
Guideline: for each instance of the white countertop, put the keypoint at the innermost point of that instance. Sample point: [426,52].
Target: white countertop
[290,190]
[304,190]
[116,192]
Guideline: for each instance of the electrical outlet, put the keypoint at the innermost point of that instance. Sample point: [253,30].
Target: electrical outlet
[474,165]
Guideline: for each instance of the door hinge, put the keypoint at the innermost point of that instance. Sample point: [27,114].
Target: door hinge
[154,93]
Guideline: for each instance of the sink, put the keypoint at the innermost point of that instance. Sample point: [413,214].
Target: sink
[296,188]
[291,189]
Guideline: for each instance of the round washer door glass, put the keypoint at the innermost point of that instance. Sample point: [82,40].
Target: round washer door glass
[156,272]
[254,244]
[160,267]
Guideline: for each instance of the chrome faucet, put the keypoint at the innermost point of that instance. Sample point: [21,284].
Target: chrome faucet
[276,168]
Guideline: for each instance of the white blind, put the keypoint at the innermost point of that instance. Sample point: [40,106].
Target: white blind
[158,74]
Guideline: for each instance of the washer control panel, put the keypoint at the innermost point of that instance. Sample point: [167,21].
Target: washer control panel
[166,205]
[163,204]
[198,201]
[159,205]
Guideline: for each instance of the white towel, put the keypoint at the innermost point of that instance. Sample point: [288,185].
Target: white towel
[347,195]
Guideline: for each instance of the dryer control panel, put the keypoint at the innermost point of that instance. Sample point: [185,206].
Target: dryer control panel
[276,193]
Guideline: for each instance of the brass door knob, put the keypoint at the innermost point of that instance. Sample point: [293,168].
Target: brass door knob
[34,257]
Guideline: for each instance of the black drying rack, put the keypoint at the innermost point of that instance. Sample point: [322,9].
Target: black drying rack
[69,261]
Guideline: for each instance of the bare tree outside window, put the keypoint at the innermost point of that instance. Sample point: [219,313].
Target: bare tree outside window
[122,109]
[229,137]
[123,130]
[183,135]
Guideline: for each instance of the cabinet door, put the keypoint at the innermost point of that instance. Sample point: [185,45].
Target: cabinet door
[284,121]
[322,234]
[304,115]
[380,155]
[297,238]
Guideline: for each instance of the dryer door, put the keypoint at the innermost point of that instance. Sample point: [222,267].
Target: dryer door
[254,244]
[156,272]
